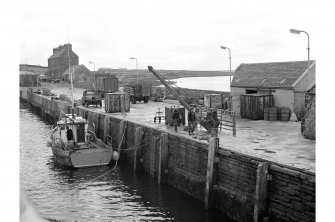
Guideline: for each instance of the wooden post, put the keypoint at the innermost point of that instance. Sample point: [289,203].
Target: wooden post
[152,154]
[138,151]
[261,193]
[163,158]
[212,150]
[96,124]
[90,119]
[106,127]
[122,135]
[234,124]
[221,120]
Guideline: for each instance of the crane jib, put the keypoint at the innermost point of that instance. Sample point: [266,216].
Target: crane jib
[206,124]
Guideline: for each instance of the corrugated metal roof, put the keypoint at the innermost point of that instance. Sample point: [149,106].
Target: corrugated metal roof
[270,75]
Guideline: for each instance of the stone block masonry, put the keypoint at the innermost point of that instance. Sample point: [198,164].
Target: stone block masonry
[290,192]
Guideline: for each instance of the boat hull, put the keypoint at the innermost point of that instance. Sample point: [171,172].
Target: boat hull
[82,157]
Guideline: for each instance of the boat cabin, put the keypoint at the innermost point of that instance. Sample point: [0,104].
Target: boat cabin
[77,125]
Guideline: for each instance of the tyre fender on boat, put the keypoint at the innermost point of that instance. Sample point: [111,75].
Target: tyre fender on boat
[115,155]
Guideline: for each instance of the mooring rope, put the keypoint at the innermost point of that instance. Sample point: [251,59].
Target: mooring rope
[105,172]
[138,145]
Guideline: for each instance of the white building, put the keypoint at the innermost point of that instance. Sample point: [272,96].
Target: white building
[287,81]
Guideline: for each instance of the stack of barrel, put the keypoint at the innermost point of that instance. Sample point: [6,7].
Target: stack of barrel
[284,114]
[117,102]
[277,113]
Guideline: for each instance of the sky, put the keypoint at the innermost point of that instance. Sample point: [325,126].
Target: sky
[183,35]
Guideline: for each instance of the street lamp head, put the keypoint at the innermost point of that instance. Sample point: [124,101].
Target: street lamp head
[295,31]
[223,47]
[132,58]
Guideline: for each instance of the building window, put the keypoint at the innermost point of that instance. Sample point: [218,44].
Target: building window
[251,91]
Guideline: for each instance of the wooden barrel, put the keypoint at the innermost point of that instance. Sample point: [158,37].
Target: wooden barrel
[117,102]
[273,114]
[284,114]
[266,113]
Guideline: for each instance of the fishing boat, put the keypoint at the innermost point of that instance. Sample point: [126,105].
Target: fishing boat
[74,145]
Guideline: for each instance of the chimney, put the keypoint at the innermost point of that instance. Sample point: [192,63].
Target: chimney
[68,46]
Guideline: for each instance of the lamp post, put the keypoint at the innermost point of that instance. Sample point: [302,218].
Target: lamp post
[93,73]
[295,31]
[136,68]
[223,47]
[231,102]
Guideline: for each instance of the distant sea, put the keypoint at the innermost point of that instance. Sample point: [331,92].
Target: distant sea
[216,83]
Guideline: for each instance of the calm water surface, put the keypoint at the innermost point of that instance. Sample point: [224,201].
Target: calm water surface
[63,194]
[216,83]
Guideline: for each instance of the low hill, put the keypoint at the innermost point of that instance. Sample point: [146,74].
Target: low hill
[129,75]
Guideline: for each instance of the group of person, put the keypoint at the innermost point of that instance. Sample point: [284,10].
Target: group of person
[192,123]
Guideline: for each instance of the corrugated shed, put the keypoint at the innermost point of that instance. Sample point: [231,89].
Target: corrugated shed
[270,75]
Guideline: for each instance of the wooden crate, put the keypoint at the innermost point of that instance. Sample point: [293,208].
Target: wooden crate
[252,105]
[117,102]
[213,100]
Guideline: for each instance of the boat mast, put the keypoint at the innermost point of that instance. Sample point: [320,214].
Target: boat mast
[71,79]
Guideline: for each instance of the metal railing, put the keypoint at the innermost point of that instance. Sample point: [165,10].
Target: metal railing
[226,118]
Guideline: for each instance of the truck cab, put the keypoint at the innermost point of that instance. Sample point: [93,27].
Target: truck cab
[91,97]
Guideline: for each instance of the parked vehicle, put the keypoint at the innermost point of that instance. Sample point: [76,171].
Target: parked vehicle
[158,95]
[138,92]
[107,85]
[91,97]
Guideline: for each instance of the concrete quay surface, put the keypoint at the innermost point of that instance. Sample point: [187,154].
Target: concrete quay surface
[279,142]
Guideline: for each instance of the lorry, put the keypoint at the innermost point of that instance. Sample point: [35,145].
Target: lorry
[107,85]
[91,97]
[138,92]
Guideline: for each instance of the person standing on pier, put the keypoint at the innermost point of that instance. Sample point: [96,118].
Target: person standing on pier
[175,118]
[191,121]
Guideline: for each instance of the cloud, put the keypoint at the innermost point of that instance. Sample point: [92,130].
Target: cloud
[173,34]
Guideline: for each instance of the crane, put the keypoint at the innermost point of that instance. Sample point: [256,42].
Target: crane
[211,121]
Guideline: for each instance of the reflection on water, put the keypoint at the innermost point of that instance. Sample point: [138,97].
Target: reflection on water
[64,194]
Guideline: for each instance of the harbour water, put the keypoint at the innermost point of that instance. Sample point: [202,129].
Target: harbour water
[216,83]
[64,194]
